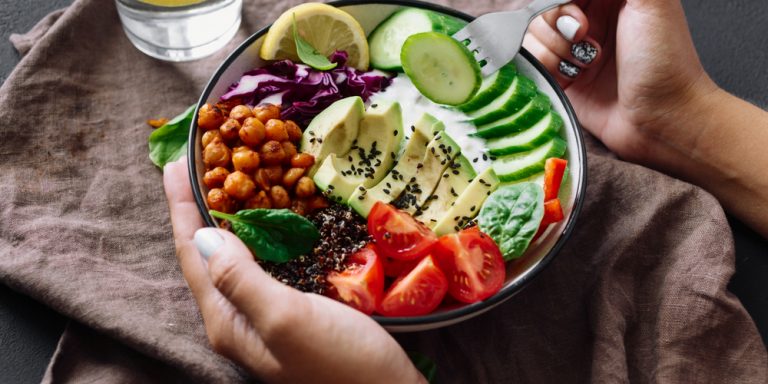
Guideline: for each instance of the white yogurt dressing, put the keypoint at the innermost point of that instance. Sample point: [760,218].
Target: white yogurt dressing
[414,105]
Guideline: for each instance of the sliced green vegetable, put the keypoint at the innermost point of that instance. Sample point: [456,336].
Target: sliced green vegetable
[169,142]
[308,54]
[441,68]
[276,235]
[511,216]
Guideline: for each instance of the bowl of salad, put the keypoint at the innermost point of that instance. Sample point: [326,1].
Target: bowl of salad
[356,149]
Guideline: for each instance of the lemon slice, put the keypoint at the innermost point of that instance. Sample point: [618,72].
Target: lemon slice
[326,27]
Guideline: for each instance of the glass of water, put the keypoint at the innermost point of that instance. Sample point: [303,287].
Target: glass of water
[179,30]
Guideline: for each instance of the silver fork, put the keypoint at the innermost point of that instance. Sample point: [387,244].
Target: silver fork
[495,38]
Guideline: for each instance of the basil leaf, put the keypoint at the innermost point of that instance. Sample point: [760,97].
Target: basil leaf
[511,216]
[276,235]
[169,142]
[424,364]
[308,54]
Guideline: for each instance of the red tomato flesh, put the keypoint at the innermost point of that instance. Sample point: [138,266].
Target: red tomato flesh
[417,293]
[361,284]
[473,264]
[397,234]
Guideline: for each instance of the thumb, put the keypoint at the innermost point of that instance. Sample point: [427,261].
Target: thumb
[239,278]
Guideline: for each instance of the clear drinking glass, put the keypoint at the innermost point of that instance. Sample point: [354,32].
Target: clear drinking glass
[179,30]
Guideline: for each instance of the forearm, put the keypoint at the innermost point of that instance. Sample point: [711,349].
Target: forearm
[721,145]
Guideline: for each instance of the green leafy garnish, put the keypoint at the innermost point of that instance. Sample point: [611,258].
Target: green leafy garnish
[169,142]
[308,54]
[511,216]
[276,235]
[424,364]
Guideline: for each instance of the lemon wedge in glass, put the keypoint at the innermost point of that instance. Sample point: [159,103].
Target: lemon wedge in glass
[325,27]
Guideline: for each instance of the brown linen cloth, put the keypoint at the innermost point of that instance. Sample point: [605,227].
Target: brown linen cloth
[638,294]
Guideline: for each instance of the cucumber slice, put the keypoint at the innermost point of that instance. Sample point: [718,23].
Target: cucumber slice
[539,134]
[514,99]
[386,41]
[521,165]
[520,121]
[493,86]
[441,68]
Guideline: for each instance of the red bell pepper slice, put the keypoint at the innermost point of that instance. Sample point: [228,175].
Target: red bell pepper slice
[554,169]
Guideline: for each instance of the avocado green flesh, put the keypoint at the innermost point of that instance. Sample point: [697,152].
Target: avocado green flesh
[468,204]
[363,199]
[453,182]
[369,158]
[333,130]
[440,152]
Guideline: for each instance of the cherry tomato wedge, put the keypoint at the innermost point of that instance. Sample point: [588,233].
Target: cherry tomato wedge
[395,268]
[361,284]
[397,234]
[473,264]
[417,293]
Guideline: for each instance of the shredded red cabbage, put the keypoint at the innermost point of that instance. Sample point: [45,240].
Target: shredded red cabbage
[306,91]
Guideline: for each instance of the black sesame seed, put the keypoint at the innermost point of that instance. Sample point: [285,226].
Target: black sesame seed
[413,128]
[485,157]
[361,188]
[394,133]
[386,191]
[455,171]
[374,105]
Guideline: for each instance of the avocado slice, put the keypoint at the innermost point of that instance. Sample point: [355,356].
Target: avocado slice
[370,156]
[468,204]
[363,199]
[440,152]
[453,182]
[333,130]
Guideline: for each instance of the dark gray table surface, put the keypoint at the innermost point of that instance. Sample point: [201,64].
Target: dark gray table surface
[732,39]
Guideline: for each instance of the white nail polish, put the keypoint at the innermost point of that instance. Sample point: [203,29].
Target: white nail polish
[207,241]
[568,26]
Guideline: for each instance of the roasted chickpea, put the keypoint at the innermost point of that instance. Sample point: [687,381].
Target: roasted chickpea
[261,200]
[275,130]
[279,196]
[240,186]
[272,153]
[219,200]
[290,151]
[300,207]
[211,136]
[240,113]
[216,154]
[317,202]
[245,160]
[291,176]
[294,132]
[274,174]
[241,148]
[302,160]
[229,130]
[215,177]
[252,133]
[262,179]
[305,187]
[209,117]
[266,112]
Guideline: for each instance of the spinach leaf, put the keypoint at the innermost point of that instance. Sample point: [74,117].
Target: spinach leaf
[511,216]
[308,54]
[424,364]
[169,142]
[276,235]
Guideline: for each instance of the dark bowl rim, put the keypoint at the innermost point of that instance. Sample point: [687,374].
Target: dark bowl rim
[453,314]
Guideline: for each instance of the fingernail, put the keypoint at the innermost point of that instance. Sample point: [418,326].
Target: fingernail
[568,26]
[584,52]
[568,69]
[207,241]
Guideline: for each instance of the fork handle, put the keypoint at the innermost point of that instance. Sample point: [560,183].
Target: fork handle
[537,7]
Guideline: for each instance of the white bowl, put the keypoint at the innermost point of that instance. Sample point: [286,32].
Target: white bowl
[519,272]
